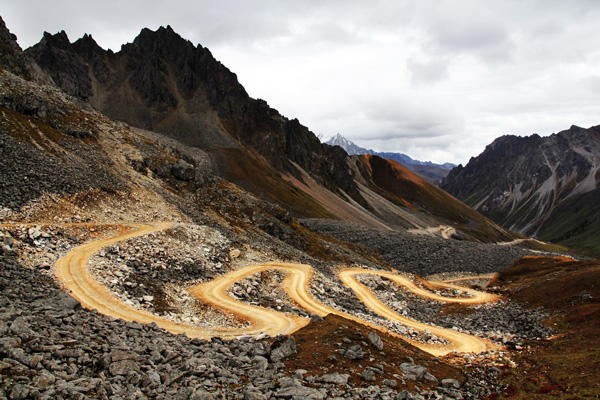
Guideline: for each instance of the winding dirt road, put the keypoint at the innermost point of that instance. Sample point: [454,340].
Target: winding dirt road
[460,342]
[73,272]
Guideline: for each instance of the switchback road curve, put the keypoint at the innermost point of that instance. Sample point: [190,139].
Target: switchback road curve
[72,270]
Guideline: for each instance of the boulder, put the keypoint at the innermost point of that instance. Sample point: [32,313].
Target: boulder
[301,392]
[416,372]
[151,380]
[287,348]
[368,375]
[123,367]
[335,378]
[183,170]
[376,341]
[260,363]
[452,383]
[6,239]
[354,353]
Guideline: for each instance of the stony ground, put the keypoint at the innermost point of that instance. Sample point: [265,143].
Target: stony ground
[51,348]
[422,255]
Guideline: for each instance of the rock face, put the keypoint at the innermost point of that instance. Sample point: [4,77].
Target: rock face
[13,60]
[72,76]
[537,186]
[164,83]
[11,57]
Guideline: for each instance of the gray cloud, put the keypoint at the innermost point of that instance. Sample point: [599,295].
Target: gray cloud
[427,71]
[436,79]
[486,38]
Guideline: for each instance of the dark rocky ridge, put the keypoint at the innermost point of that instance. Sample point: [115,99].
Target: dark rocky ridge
[72,77]
[160,74]
[15,61]
[11,57]
[161,82]
[534,184]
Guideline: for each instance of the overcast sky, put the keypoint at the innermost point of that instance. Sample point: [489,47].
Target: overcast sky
[437,80]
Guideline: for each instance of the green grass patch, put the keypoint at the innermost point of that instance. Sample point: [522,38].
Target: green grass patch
[575,223]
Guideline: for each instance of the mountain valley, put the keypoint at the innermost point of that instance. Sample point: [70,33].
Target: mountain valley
[431,171]
[163,235]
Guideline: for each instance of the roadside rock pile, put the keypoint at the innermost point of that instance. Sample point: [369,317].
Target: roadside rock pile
[419,254]
[334,294]
[52,348]
[152,272]
[265,290]
[504,322]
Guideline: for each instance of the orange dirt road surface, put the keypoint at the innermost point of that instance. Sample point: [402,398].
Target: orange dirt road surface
[459,341]
[72,270]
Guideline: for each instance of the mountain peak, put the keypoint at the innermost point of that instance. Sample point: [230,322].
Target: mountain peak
[431,171]
[533,184]
[59,59]
[11,56]
[59,39]
[164,38]
[349,146]
[338,137]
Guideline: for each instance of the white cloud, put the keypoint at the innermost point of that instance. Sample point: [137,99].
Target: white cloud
[427,71]
[436,79]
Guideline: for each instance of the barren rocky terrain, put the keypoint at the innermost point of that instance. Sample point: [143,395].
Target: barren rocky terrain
[75,185]
[45,356]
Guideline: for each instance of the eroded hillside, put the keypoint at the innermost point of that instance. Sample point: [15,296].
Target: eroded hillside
[128,259]
[541,187]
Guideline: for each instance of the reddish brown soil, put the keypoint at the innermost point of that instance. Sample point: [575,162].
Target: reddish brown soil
[318,343]
[254,175]
[567,367]
[403,187]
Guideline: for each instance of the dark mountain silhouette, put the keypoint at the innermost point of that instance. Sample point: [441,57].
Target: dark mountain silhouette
[547,187]
[161,82]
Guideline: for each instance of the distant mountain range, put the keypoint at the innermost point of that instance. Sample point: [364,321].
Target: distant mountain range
[161,139]
[430,171]
[162,84]
[546,187]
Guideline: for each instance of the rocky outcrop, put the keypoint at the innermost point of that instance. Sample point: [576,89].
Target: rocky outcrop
[13,60]
[533,185]
[165,83]
[11,57]
[56,50]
